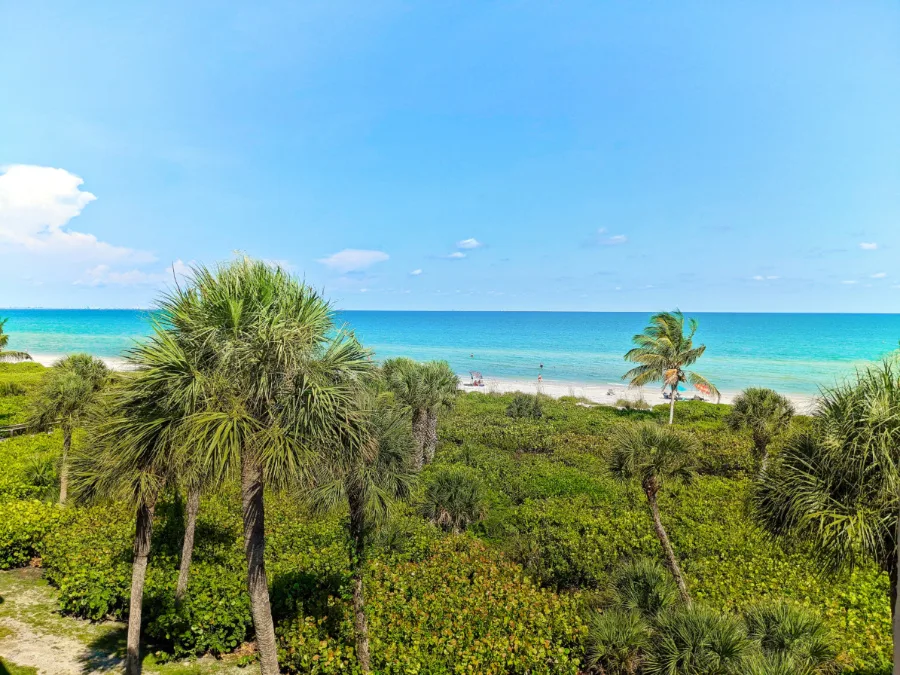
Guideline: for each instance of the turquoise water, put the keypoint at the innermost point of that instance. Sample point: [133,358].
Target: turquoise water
[793,353]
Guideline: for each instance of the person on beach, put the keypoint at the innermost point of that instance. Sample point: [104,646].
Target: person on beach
[540,379]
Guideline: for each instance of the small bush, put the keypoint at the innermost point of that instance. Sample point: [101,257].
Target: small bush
[525,406]
[453,497]
[523,437]
[12,389]
[644,586]
[24,526]
[789,633]
[616,641]
[698,641]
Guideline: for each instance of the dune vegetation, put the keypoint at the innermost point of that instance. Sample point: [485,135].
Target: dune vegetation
[261,492]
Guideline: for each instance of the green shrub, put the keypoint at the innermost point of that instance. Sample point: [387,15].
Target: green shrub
[628,404]
[24,526]
[697,641]
[644,586]
[12,389]
[463,609]
[19,456]
[792,634]
[525,406]
[616,641]
[453,497]
[523,437]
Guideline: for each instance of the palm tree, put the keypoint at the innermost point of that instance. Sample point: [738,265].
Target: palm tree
[67,394]
[653,455]
[425,388]
[372,469]
[663,351]
[131,460]
[766,413]
[7,354]
[837,486]
[274,381]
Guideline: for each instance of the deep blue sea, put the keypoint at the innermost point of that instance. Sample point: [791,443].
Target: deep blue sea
[793,353]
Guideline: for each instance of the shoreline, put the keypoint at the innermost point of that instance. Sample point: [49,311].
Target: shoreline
[599,393]
[596,393]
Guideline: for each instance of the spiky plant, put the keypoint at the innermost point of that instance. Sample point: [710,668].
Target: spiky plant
[654,455]
[663,352]
[791,633]
[66,396]
[697,641]
[453,497]
[616,641]
[766,414]
[10,354]
[643,585]
[837,487]
[525,406]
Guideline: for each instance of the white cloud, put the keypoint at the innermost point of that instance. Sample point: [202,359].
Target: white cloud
[469,243]
[456,255]
[36,205]
[868,245]
[415,273]
[759,277]
[353,259]
[878,275]
[849,282]
[104,275]
[614,240]
[771,277]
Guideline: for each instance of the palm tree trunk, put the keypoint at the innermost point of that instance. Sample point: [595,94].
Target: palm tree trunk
[360,622]
[762,449]
[895,609]
[431,437]
[672,404]
[420,431]
[254,549]
[64,466]
[142,535]
[668,551]
[187,547]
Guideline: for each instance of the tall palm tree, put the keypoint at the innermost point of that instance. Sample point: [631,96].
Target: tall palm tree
[66,396]
[372,469]
[276,382]
[425,388]
[766,413]
[837,486]
[8,354]
[444,385]
[663,351]
[655,455]
[131,459]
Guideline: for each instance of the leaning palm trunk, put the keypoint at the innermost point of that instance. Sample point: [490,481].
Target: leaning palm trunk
[64,465]
[420,434]
[672,404]
[142,536]
[187,547]
[360,622]
[762,450]
[431,436]
[254,549]
[672,562]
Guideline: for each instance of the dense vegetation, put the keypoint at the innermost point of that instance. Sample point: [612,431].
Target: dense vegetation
[518,588]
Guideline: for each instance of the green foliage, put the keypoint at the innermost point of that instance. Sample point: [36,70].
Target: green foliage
[644,586]
[20,457]
[24,525]
[628,404]
[12,389]
[697,641]
[453,497]
[25,376]
[525,406]
[616,641]
[787,633]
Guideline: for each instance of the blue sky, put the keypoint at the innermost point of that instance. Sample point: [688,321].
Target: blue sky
[484,155]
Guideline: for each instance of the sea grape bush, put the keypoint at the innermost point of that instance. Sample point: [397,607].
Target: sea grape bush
[24,524]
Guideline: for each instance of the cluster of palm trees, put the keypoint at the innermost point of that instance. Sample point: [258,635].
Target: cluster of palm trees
[246,377]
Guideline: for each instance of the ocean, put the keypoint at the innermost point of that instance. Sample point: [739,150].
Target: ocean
[792,353]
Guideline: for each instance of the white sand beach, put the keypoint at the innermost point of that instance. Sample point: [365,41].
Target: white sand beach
[600,393]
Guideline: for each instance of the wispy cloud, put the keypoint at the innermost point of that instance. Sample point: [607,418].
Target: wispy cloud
[878,275]
[850,282]
[469,243]
[104,275]
[868,245]
[602,238]
[770,277]
[353,259]
[415,273]
[456,255]
[36,205]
